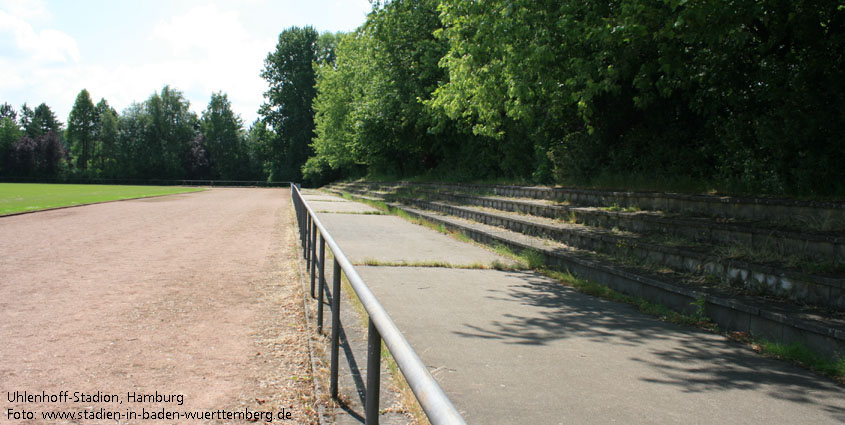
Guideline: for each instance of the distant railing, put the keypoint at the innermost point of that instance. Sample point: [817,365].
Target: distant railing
[431,397]
[148,182]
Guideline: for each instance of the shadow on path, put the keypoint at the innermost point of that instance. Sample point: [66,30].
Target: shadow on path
[539,311]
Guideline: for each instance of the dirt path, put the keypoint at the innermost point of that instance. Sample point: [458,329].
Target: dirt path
[193,295]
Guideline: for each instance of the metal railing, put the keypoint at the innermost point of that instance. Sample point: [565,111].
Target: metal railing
[431,397]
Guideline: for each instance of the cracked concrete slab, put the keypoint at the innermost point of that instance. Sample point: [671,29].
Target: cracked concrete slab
[318,197]
[341,207]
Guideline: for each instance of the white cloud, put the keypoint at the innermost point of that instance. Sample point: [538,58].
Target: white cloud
[213,51]
[44,46]
[30,10]
[198,50]
[203,29]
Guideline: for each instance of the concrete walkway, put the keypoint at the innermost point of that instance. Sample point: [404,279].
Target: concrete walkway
[517,347]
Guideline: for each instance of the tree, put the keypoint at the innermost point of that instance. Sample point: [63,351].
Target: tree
[23,158]
[406,72]
[197,164]
[370,107]
[81,129]
[340,94]
[169,128]
[51,154]
[133,155]
[289,70]
[8,111]
[106,138]
[223,132]
[10,133]
[259,141]
[26,117]
[39,121]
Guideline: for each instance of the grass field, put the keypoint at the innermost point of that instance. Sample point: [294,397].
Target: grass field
[22,197]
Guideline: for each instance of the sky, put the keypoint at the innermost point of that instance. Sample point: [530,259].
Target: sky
[125,50]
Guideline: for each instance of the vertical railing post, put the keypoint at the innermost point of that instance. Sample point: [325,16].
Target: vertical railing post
[308,242]
[335,328]
[314,235]
[303,223]
[373,374]
[301,220]
[321,286]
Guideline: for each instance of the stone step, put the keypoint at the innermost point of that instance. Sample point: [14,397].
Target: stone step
[825,215]
[761,279]
[820,247]
[779,321]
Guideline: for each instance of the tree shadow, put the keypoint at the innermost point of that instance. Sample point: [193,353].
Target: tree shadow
[537,311]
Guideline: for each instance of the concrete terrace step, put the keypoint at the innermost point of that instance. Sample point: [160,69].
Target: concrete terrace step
[792,284]
[826,247]
[770,319]
[825,291]
[746,208]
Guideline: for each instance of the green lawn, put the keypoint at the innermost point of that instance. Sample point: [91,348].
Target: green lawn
[19,197]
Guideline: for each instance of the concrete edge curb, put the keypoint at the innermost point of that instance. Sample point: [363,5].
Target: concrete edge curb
[322,415]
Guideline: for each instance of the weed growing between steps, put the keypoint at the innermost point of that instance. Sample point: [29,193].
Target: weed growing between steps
[495,265]
[799,354]
[795,353]
[770,254]
[616,208]
[352,212]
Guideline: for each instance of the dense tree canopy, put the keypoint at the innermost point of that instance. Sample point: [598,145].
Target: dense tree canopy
[744,95]
[80,129]
[224,139]
[159,138]
[290,73]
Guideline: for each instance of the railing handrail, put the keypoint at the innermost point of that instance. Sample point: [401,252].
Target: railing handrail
[428,392]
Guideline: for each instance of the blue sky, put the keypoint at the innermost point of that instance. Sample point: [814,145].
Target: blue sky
[124,51]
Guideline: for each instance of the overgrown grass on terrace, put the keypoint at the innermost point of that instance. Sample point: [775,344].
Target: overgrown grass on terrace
[24,197]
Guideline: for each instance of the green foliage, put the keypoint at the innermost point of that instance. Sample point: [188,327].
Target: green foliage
[289,70]
[39,121]
[370,108]
[81,128]
[533,258]
[803,356]
[153,137]
[159,138]
[41,155]
[744,97]
[106,134]
[340,92]
[258,144]
[224,139]
[9,134]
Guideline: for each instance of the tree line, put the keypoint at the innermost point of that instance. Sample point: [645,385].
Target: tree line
[159,138]
[746,96]
[738,96]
